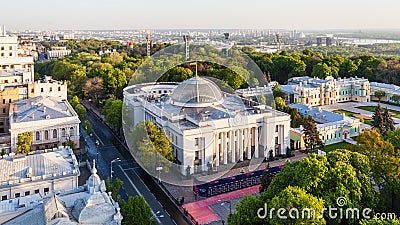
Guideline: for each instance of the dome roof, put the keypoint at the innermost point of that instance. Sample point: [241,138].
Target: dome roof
[197,92]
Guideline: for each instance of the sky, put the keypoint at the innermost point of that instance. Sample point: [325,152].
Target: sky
[200,14]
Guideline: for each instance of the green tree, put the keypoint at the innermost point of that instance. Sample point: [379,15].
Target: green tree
[263,99]
[376,221]
[379,94]
[321,70]
[286,66]
[378,119]
[113,113]
[246,211]
[312,142]
[24,142]
[396,98]
[74,101]
[87,126]
[266,179]
[297,198]
[114,187]
[277,91]
[388,120]
[81,111]
[280,103]
[147,141]
[136,211]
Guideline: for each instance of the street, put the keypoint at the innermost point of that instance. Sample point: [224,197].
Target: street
[136,180]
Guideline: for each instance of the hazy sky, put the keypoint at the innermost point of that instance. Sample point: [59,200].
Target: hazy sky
[191,14]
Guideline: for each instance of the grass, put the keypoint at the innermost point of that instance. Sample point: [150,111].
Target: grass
[340,145]
[346,113]
[351,114]
[372,109]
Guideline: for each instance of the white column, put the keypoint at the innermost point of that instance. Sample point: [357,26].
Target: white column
[240,136]
[224,148]
[217,150]
[248,143]
[232,144]
[256,142]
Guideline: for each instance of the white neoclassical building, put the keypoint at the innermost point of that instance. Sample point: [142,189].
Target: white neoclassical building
[207,125]
[52,120]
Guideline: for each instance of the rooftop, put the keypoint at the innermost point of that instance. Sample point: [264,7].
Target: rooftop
[42,165]
[40,108]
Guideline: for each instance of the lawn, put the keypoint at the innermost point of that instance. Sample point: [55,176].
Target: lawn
[340,145]
[352,114]
[372,109]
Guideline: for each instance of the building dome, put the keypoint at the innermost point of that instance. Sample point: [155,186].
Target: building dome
[197,92]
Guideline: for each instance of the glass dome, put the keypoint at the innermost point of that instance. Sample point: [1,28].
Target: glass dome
[197,92]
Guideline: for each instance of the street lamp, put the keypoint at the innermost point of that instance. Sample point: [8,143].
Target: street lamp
[112,161]
[97,150]
[230,204]
[159,168]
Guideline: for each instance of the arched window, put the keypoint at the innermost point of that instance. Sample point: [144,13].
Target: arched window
[63,134]
[37,135]
[54,133]
[71,131]
[46,135]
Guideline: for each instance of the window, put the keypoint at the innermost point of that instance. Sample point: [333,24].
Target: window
[2,48]
[51,89]
[4,110]
[9,100]
[17,195]
[15,80]
[37,135]
[32,90]
[4,101]
[41,89]
[54,133]
[6,81]
[63,134]
[276,128]
[276,140]
[196,142]
[46,135]
[10,54]
[37,191]
[71,131]
[46,190]
[4,197]
[27,193]
[59,88]
[196,155]
[9,47]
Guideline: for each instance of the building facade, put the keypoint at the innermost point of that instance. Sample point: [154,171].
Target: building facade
[40,173]
[89,204]
[207,125]
[318,92]
[332,127]
[51,119]
[58,52]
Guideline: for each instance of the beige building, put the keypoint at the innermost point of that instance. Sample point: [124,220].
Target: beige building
[40,173]
[51,119]
[58,52]
[315,92]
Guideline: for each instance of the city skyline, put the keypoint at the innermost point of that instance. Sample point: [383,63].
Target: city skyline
[175,14]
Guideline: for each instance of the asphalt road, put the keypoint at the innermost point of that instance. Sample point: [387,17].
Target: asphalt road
[136,180]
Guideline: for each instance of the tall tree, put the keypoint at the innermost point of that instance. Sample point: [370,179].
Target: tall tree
[24,142]
[389,123]
[112,112]
[136,212]
[378,119]
[312,142]
[379,94]
[93,89]
[266,179]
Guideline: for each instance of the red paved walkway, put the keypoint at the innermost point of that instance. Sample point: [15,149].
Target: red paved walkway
[201,211]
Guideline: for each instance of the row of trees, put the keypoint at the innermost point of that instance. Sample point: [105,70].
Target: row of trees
[364,176]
